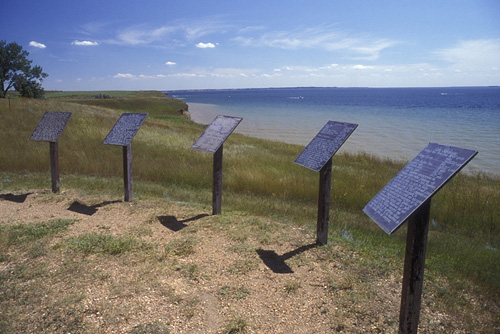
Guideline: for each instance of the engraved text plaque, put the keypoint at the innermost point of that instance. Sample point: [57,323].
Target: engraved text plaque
[325,145]
[51,126]
[216,133]
[125,129]
[419,180]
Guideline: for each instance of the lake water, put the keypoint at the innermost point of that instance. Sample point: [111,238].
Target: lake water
[393,122]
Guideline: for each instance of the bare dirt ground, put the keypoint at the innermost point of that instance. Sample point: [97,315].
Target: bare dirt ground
[190,272]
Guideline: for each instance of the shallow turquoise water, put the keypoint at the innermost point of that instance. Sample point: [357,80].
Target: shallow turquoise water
[393,122]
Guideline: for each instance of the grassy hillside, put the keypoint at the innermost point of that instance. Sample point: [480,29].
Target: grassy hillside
[260,179]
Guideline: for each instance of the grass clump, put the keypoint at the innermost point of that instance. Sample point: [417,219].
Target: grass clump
[23,233]
[33,235]
[181,247]
[236,325]
[190,271]
[231,292]
[93,243]
[155,327]
[292,286]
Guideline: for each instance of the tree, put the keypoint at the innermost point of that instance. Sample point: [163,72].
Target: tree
[16,72]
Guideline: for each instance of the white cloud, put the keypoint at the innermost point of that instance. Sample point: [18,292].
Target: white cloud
[124,76]
[329,67]
[362,67]
[184,75]
[176,33]
[37,45]
[84,43]
[252,29]
[139,36]
[473,53]
[170,63]
[326,38]
[205,45]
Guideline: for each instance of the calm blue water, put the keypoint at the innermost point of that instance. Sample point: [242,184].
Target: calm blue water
[393,122]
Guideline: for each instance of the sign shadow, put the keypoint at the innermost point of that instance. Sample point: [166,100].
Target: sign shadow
[88,210]
[277,263]
[15,198]
[175,225]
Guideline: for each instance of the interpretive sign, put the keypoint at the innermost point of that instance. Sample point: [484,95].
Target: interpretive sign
[216,133]
[325,145]
[419,180]
[122,134]
[408,197]
[318,157]
[211,141]
[125,129]
[51,126]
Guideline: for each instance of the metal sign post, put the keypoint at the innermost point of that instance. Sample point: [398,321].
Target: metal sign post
[54,167]
[318,156]
[50,128]
[325,185]
[127,172]
[217,182]
[408,197]
[413,276]
[211,141]
[122,134]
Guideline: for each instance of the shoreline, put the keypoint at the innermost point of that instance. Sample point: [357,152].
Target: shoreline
[367,141]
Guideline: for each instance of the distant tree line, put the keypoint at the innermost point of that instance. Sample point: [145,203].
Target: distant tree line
[17,72]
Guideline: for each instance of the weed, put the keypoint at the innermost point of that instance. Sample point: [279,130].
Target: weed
[155,327]
[190,271]
[292,286]
[236,325]
[230,292]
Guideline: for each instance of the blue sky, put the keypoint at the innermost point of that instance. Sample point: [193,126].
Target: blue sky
[168,45]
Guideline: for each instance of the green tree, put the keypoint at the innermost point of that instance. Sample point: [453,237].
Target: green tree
[16,72]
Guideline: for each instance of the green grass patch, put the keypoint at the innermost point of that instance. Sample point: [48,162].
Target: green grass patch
[93,243]
[30,234]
